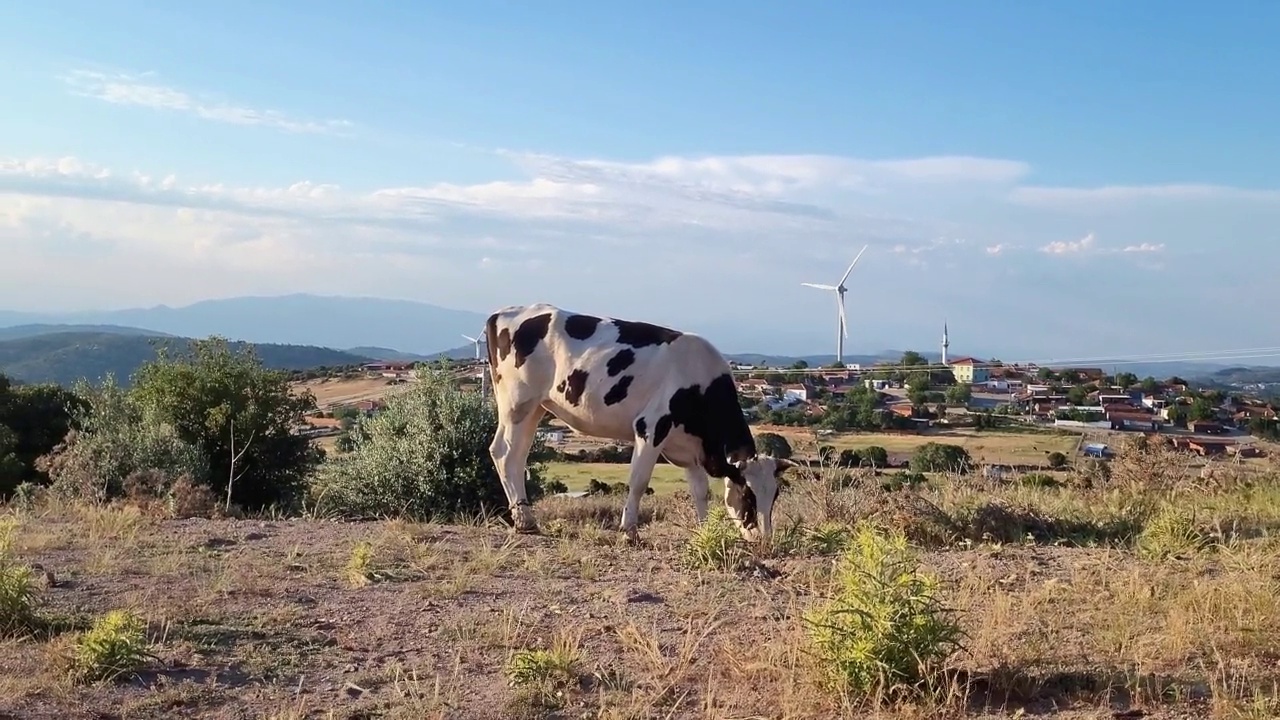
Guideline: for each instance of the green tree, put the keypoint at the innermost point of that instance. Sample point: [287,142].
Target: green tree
[239,414]
[37,417]
[918,381]
[874,456]
[911,357]
[425,456]
[773,444]
[1201,409]
[941,457]
[959,395]
[1126,380]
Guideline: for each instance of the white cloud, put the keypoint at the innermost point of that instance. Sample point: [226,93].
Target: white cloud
[1072,247]
[137,90]
[720,235]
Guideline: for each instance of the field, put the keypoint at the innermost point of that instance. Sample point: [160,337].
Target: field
[1075,602]
[666,478]
[331,391]
[986,446]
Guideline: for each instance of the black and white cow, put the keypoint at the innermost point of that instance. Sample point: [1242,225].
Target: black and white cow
[668,392]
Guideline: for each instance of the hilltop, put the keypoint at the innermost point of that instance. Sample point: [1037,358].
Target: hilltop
[299,319]
[65,357]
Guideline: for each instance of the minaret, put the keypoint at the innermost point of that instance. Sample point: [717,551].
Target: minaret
[946,343]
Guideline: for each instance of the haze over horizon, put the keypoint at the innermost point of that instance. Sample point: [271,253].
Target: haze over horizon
[1065,182]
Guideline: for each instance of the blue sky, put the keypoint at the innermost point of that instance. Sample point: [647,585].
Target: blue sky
[1055,180]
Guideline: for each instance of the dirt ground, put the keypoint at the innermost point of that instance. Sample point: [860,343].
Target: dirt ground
[270,619]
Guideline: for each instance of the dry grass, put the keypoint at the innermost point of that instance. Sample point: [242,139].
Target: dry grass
[1155,591]
[331,391]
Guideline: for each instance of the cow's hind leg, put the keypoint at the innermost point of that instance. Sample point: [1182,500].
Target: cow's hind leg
[699,487]
[643,460]
[514,438]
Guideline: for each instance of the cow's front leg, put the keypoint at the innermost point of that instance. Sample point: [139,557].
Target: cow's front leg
[643,459]
[699,486]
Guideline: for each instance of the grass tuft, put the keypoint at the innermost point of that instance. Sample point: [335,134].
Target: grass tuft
[115,646]
[716,544]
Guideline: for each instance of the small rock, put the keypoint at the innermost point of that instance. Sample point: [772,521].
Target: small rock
[642,596]
[353,690]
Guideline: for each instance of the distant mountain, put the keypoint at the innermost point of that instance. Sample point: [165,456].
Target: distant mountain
[21,331]
[381,353]
[64,357]
[324,321]
[1246,375]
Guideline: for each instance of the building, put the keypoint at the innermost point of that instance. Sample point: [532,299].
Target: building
[967,371]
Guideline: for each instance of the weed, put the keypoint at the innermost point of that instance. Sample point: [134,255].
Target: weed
[17,587]
[829,538]
[716,544]
[884,630]
[359,569]
[115,645]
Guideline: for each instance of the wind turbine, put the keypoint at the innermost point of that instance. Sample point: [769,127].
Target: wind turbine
[484,371]
[842,331]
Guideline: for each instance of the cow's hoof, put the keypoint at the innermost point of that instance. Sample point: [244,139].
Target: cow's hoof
[527,530]
[631,537]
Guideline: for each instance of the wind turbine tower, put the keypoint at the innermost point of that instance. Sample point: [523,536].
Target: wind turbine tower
[946,342]
[484,371]
[842,329]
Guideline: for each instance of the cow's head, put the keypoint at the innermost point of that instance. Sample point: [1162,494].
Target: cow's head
[749,497]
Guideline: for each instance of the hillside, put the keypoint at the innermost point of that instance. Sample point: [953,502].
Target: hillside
[64,357]
[300,319]
[22,331]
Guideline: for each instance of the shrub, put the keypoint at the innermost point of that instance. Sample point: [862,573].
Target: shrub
[116,645]
[941,457]
[1057,460]
[773,444]
[424,457]
[115,439]
[884,631]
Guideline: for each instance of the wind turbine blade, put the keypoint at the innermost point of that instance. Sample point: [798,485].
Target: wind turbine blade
[844,326]
[855,262]
[820,287]
[470,339]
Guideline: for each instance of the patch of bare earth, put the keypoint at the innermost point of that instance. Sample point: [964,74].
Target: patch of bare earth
[304,618]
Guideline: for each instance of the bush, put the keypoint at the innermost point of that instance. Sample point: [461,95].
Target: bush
[424,457]
[941,457]
[116,439]
[1057,460]
[716,544]
[884,632]
[773,444]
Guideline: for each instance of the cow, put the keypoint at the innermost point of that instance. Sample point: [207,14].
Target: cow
[671,393]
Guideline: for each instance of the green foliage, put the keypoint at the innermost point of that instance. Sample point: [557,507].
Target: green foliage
[716,544]
[424,456]
[17,587]
[115,439]
[1057,460]
[33,419]
[115,646]
[239,414]
[941,457]
[773,444]
[884,630]
[1265,428]
[959,394]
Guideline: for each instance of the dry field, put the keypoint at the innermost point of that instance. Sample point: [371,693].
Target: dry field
[329,391]
[1070,608]
[666,478]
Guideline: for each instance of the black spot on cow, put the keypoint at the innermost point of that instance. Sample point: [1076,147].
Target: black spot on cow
[575,385]
[625,358]
[526,337]
[618,392]
[560,386]
[714,416]
[641,429]
[642,334]
[662,429]
[581,327]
